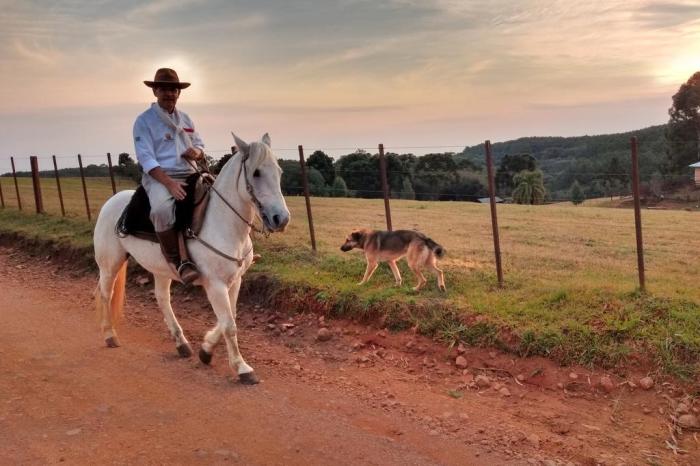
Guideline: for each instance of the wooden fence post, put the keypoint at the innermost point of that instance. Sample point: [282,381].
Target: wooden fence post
[637,213]
[111,173]
[34,163]
[14,175]
[2,197]
[494,217]
[305,184]
[385,186]
[85,194]
[58,185]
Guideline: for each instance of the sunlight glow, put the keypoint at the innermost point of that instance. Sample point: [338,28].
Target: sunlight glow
[680,69]
[186,71]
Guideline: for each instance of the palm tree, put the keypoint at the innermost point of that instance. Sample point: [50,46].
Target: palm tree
[529,187]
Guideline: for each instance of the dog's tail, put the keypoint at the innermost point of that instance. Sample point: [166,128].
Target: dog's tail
[436,248]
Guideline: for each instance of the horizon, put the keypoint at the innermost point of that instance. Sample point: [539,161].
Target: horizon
[408,74]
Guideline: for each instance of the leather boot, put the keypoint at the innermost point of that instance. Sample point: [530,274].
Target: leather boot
[170,246]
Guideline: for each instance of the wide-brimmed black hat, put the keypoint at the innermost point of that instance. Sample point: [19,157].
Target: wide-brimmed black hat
[167,78]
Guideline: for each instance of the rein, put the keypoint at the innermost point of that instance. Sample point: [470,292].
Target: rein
[249,188]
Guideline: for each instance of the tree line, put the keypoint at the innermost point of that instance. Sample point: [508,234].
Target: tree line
[530,170]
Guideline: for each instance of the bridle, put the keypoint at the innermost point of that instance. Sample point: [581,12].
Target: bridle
[248,186]
[209,180]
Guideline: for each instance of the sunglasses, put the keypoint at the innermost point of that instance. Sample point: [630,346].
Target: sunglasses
[168,89]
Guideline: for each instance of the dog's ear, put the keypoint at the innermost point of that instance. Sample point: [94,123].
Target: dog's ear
[356,235]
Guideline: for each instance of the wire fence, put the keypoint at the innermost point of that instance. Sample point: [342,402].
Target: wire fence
[78,185]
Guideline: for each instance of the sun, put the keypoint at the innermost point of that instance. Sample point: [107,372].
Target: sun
[187,72]
[678,70]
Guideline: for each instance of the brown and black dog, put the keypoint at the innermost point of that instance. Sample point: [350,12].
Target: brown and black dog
[390,246]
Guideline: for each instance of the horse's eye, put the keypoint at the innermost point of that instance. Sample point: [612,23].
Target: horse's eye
[256,173]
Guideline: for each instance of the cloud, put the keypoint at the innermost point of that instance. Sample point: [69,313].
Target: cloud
[34,52]
[668,14]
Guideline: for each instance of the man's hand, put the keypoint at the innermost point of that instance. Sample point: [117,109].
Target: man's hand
[177,189]
[193,153]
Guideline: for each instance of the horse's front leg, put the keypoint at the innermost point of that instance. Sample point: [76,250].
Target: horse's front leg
[224,302]
[213,336]
[162,290]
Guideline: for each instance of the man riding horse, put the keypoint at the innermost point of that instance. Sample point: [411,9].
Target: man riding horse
[164,140]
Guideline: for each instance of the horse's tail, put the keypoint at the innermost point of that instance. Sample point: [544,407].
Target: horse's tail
[115,307]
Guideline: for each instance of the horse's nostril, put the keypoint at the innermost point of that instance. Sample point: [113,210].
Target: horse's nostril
[276,220]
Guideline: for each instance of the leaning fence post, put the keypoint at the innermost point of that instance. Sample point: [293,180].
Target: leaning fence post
[85,194]
[58,185]
[111,173]
[494,217]
[34,163]
[385,186]
[637,213]
[305,184]
[14,175]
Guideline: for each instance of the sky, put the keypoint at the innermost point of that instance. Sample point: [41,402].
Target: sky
[337,75]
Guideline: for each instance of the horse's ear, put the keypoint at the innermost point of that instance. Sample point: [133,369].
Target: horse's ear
[266,140]
[240,143]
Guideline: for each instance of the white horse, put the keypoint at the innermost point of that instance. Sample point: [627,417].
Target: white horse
[248,185]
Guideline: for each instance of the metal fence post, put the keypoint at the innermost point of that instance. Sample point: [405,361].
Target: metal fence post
[305,184]
[14,175]
[385,186]
[111,173]
[85,194]
[58,185]
[637,213]
[494,217]
[34,163]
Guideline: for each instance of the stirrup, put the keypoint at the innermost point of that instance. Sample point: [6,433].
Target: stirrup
[187,271]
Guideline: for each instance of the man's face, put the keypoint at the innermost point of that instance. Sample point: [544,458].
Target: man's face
[167,97]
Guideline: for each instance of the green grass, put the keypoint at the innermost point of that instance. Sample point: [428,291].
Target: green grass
[570,272]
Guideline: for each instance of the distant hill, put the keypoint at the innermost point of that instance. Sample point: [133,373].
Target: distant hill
[587,159]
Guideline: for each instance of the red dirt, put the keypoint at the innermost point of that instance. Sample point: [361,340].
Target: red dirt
[364,397]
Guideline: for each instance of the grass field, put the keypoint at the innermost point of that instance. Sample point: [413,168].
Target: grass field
[570,272]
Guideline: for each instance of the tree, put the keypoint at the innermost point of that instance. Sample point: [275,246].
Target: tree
[290,183]
[511,165]
[317,184]
[529,187]
[216,166]
[324,164]
[339,188]
[577,196]
[435,177]
[127,168]
[361,173]
[125,160]
[683,131]
[406,191]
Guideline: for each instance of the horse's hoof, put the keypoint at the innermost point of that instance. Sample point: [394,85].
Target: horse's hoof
[204,356]
[112,342]
[184,350]
[248,378]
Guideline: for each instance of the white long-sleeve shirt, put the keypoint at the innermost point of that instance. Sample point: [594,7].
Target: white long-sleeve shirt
[155,146]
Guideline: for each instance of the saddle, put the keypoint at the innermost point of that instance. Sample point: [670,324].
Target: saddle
[189,212]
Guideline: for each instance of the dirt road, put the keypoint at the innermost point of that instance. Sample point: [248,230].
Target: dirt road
[364,397]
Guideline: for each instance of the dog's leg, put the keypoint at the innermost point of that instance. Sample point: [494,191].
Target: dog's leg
[371,267]
[419,275]
[395,271]
[440,275]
